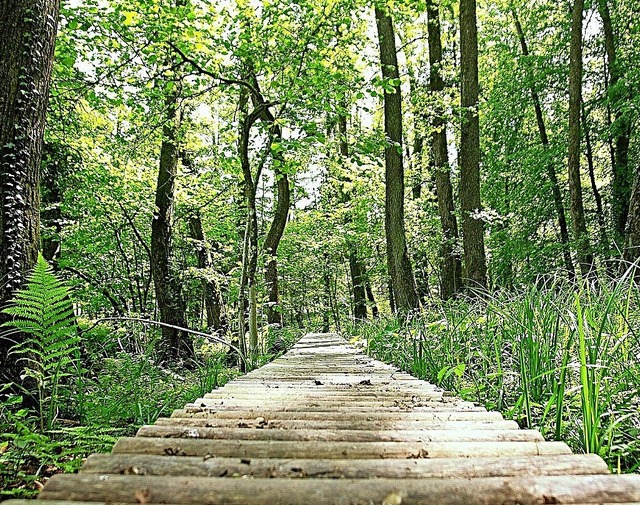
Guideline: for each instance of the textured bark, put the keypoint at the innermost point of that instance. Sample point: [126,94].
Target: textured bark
[169,301]
[214,305]
[551,170]
[621,129]
[450,263]
[400,269]
[472,225]
[26,56]
[585,257]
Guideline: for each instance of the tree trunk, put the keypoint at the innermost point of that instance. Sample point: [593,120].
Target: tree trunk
[371,299]
[26,55]
[214,305]
[276,230]
[51,198]
[250,256]
[632,238]
[472,224]
[551,171]
[450,264]
[356,266]
[604,241]
[621,181]
[400,270]
[176,343]
[585,257]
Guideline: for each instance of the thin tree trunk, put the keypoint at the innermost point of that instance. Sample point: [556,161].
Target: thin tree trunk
[26,55]
[213,303]
[604,241]
[551,171]
[250,259]
[171,306]
[371,299]
[585,256]
[472,224]
[450,263]
[621,181]
[400,269]
[356,266]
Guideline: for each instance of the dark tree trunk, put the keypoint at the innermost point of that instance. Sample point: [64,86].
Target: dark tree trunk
[621,129]
[356,266]
[551,170]
[400,270]
[632,236]
[604,241]
[176,343]
[585,257]
[371,299]
[26,56]
[213,303]
[51,198]
[472,224]
[450,263]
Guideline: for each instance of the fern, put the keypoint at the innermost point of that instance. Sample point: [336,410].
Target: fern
[48,349]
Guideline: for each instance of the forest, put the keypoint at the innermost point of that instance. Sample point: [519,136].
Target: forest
[189,186]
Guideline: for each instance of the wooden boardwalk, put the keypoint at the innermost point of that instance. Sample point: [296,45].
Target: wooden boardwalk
[325,424]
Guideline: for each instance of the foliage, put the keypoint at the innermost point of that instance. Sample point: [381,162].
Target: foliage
[555,357]
[48,346]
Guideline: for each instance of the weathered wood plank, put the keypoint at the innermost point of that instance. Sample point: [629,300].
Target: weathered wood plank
[203,412]
[303,435]
[482,491]
[333,450]
[444,468]
[295,424]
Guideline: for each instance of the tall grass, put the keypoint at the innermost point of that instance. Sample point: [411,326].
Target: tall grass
[558,357]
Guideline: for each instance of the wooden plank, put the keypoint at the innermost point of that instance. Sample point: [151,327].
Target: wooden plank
[295,424]
[203,412]
[333,450]
[341,435]
[482,491]
[444,468]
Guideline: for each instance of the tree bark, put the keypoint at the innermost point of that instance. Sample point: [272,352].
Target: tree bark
[621,129]
[214,305]
[585,256]
[26,55]
[176,343]
[450,263]
[400,269]
[472,224]
[551,171]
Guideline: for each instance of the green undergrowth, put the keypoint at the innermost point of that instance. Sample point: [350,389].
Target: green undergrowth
[560,358]
[84,385]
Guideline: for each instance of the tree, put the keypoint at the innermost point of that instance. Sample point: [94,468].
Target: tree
[472,224]
[26,56]
[169,299]
[400,269]
[450,266]
[621,127]
[585,256]
[551,171]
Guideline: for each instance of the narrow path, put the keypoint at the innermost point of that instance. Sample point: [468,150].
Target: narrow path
[325,424]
